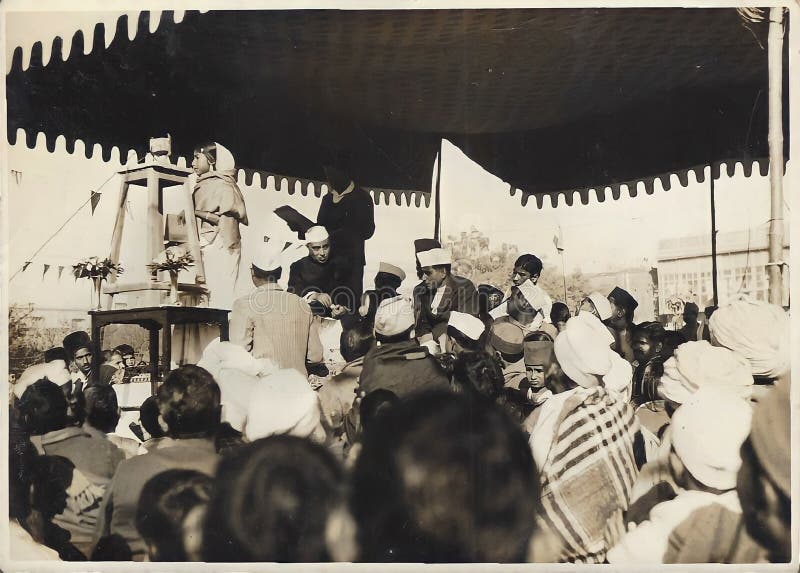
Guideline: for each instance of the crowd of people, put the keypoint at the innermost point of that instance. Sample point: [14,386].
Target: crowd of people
[466,424]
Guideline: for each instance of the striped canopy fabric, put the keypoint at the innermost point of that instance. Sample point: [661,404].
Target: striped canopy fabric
[549,100]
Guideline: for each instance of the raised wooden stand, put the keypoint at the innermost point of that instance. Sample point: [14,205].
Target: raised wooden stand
[155,177]
[156,320]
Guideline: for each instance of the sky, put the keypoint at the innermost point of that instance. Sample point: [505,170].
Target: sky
[619,233]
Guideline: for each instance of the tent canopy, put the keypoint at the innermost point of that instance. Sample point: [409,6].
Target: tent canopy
[549,100]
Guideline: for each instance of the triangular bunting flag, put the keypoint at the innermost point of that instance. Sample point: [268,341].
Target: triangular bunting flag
[95,200]
[60,270]
[26,265]
[45,268]
[286,245]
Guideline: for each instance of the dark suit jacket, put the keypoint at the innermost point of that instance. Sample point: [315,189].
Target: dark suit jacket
[350,222]
[459,294]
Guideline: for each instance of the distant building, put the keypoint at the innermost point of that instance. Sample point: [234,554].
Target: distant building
[684,267]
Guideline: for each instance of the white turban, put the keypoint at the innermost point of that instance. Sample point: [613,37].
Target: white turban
[707,432]
[757,330]
[584,355]
[698,364]
[284,403]
[237,373]
[55,371]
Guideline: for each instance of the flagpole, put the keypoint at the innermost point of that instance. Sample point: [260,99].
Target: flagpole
[564,275]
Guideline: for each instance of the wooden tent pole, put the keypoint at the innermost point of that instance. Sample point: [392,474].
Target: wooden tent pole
[775,59]
[437,205]
[714,288]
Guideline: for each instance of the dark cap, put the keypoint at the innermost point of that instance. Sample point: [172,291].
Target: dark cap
[57,353]
[76,340]
[623,299]
[422,245]
[124,349]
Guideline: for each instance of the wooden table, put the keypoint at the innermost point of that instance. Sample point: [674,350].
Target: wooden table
[155,319]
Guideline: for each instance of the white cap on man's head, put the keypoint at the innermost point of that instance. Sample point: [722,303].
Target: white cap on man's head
[393,316]
[468,325]
[434,257]
[266,260]
[316,234]
[391,269]
[707,432]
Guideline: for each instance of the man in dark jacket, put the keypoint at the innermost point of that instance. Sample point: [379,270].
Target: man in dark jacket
[398,363]
[347,212]
[318,278]
[445,292]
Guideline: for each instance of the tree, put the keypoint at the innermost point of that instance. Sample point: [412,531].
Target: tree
[27,341]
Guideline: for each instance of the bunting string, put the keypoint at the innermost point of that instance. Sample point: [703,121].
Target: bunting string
[94,199]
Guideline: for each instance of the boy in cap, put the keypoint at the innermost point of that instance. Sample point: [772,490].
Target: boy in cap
[387,280]
[347,213]
[465,333]
[398,363]
[622,307]
[272,323]
[444,292]
[318,278]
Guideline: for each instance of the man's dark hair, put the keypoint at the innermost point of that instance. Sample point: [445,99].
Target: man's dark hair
[42,408]
[672,340]
[404,336]
[272,502]
[387,280]
[102,408]
[529,263]
[445,268]
[189,402]
[125,349]
[148,417]
[373,405]
[654,331]
[559,313]
[273,275]
[474,491]
[57,353]
[478,373]
[164,503]
[356,341]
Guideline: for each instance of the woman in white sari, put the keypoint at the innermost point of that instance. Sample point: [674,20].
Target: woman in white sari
[219,205]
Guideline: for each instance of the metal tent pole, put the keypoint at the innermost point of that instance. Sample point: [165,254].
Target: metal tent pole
[775,59]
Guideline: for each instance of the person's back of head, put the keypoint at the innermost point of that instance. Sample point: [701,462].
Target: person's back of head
[56,353]
[374,405]
[445,478]
[275,500]
[167,502]
[356,341]
[148,417]
[21,462]
[559,312]
[43,408]
[189,402]
[764,482]
[102,408]
[478,373]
